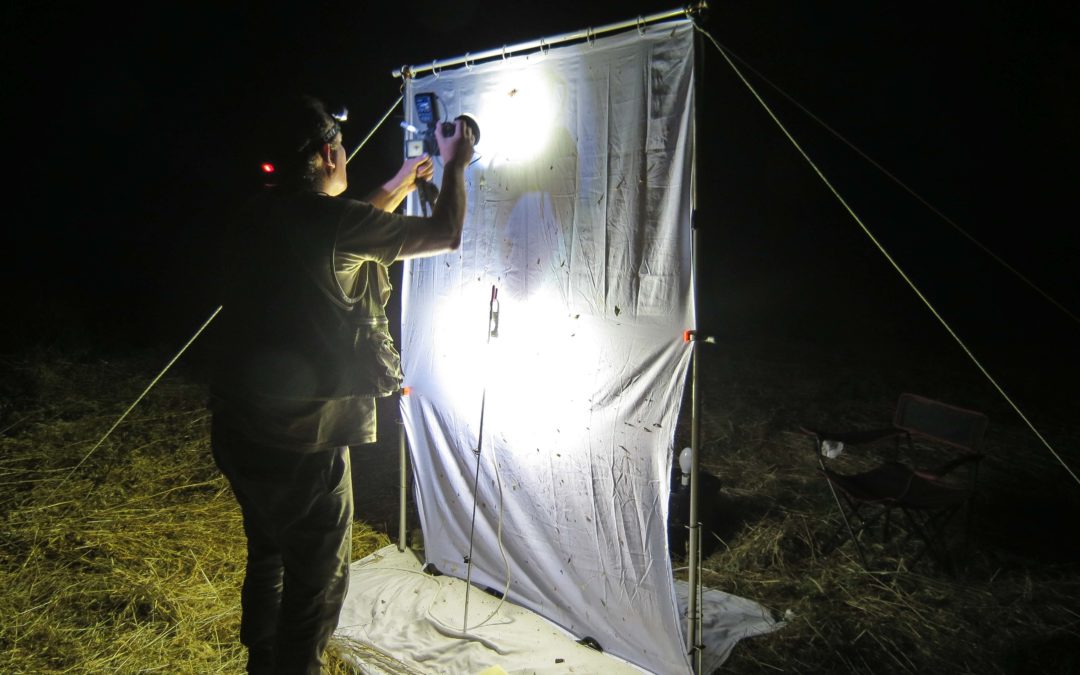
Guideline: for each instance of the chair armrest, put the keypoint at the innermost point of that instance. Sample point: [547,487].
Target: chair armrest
[854,437]
[945,469]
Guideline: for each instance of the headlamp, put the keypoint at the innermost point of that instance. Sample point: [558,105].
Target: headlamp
[331,133]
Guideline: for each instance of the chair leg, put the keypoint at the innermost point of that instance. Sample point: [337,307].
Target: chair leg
[930,531]
[844,532]
[853,511]
[852,532]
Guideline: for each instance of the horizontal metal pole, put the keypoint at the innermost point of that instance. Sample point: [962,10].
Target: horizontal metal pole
[506,52]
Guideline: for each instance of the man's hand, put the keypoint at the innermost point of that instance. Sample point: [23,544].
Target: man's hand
[414,169]
[456,149]
[394,191]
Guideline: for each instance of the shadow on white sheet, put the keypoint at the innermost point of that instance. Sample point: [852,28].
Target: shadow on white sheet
[397,619]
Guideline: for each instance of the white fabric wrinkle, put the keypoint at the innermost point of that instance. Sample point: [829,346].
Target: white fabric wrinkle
[612,129]
[597,533]
[591,237]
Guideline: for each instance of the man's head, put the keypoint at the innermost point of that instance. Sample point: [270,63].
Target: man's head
[306,147]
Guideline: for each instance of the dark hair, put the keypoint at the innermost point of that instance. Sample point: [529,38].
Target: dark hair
[296,131]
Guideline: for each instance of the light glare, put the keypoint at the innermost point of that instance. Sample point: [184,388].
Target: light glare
[525,370]
[518,115]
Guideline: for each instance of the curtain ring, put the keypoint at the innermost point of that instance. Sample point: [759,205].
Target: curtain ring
[641,25]
[468,66]
[435,71]
[589,37]
[543,48]
[504,52]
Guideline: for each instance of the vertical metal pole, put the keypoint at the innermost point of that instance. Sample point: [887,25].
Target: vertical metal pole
[403,461]
[693,555]
[693,619]
[699,652]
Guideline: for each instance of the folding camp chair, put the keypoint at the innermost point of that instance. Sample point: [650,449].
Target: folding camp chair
[928,498]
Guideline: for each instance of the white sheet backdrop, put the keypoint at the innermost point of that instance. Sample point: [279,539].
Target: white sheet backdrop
[579,214]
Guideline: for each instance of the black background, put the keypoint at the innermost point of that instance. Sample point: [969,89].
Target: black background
[132,135]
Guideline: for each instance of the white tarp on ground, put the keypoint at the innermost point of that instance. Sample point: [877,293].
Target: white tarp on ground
[579,214]
[397,619]
[407,621]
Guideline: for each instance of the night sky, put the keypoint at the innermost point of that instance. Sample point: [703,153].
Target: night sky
[132,135]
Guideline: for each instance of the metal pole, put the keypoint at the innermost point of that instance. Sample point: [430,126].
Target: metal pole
[699,652]
[693,624]
[403,463]
[694,580]
[506,52]
[492,331]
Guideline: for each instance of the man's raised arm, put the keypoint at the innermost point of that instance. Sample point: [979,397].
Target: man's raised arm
[390,194]
[441,232]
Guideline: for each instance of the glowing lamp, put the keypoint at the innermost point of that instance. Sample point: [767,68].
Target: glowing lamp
[267,168]
[686,458]
[522,368]
[519,116]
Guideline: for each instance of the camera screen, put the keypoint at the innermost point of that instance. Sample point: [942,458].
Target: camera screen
[425,108]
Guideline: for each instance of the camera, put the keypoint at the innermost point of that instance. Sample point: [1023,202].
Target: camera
[427,113]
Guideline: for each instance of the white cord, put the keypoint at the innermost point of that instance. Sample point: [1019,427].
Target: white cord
[140,398]
[933,209]
[374,129]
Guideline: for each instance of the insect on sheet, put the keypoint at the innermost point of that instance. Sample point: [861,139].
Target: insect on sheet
[579,218]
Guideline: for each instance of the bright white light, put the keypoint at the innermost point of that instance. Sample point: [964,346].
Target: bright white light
[530,372]
[518,115]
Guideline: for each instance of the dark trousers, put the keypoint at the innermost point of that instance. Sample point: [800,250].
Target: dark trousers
[298,511]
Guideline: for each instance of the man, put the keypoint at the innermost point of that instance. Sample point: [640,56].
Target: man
[304,352]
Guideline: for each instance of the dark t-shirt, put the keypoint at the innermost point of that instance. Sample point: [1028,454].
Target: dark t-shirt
[305,272]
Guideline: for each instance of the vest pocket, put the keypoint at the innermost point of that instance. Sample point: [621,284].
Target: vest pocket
[377,358]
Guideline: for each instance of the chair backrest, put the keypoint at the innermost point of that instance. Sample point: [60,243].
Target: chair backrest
[939,421]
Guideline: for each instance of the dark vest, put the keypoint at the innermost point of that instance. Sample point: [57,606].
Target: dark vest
[290,334]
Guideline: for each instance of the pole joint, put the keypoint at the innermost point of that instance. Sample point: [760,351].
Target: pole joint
[694,335]
[698,11]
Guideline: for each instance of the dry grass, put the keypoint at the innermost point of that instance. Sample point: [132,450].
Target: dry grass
[133,562]
[1012,607]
